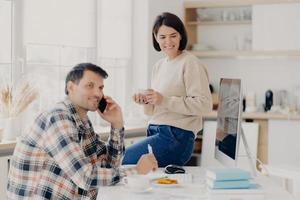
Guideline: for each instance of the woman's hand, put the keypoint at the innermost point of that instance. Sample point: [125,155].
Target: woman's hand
[112,113]
[153,97]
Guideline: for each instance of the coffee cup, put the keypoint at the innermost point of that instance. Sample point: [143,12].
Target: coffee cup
[137,183]
[143,93]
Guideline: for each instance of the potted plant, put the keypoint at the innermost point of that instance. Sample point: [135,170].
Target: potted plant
[14,99]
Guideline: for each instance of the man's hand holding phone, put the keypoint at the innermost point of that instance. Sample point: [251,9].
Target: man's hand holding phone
[110,111]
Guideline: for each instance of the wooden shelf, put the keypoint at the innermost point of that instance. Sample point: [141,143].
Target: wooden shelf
[209,23]
[230,3]
[237,54]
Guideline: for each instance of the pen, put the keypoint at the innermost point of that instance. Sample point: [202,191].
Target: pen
[150,149]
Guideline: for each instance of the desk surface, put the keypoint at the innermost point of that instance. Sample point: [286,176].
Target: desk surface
[189,191]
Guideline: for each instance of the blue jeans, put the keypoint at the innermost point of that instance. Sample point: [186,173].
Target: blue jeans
[170,145]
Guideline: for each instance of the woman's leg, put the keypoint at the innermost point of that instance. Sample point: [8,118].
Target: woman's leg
[161,140]
[135,151]
[170,145]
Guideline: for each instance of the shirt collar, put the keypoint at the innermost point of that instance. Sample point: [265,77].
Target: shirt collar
[71,108]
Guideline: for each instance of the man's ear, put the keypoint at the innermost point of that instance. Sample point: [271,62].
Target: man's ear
[70,87]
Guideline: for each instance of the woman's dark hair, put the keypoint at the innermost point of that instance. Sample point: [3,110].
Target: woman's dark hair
[171,20]
[76,73]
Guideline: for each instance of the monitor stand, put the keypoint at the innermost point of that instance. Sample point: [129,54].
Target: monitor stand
[250,157]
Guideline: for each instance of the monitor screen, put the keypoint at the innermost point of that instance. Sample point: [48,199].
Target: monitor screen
[228,121]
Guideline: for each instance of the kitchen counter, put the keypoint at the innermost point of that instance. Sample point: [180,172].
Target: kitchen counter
[137,131]
[7,147]
[259,116]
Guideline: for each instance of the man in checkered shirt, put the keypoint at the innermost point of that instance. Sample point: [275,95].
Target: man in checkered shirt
[61,157]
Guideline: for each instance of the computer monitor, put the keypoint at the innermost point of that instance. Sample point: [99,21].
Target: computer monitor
[228,121]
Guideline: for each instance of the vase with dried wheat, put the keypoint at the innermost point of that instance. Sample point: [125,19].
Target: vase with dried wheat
[13,101]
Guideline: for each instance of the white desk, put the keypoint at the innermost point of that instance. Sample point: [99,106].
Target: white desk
[195,191]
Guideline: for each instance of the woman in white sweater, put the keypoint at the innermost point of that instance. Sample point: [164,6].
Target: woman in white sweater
[177,99]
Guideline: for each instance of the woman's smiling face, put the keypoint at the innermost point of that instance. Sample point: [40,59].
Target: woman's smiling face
[169,40]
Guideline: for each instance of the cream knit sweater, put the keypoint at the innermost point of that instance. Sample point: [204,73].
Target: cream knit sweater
[183,82]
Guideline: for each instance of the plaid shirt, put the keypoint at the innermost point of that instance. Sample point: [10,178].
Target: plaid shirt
[62,158]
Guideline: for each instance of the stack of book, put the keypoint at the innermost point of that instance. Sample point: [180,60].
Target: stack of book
[228,178]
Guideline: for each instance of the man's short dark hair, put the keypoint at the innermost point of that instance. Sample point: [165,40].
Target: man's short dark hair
[77,72]
[171,20]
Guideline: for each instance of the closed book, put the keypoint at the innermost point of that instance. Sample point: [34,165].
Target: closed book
[223,174]
[254,192]
[235,184]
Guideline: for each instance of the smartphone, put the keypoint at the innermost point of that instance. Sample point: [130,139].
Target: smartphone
[102,105]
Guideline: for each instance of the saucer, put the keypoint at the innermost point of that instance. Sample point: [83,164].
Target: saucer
[146,190]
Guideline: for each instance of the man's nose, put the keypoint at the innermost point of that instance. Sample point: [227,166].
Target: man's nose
[98,93]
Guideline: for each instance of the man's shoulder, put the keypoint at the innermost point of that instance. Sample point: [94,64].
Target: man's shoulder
[56,113]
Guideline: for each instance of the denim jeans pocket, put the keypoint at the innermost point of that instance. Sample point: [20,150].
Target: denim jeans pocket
[167,135]
[185,139]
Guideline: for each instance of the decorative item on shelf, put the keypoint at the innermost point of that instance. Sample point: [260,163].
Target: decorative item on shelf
[14,99]
[296,92]
[202,47]
[250,102]
[280,102]
[268,100]
[225,14]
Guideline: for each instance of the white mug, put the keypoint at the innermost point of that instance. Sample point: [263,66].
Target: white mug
[137,182]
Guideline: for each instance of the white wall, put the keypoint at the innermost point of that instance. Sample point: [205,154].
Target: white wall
[114,28]
[61,23]
[5,33]
[276,27]
[140,39]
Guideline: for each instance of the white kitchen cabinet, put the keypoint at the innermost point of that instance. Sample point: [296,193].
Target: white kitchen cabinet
[276,27]
[283,142]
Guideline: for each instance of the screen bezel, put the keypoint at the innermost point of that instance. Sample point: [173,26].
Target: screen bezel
[219,155]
